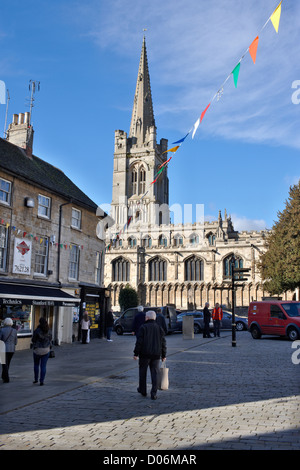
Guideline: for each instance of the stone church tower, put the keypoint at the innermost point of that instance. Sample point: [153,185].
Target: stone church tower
[185,264]
[137,158]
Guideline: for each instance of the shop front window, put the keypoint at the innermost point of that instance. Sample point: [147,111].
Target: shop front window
[21,316]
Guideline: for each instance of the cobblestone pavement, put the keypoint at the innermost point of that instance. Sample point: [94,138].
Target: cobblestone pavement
[219,397]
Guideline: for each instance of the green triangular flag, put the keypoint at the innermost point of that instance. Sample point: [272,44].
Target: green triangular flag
[235,73]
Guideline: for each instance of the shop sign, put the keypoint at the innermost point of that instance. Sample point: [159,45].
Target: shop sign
[93,312]
[47,303]
[22,256]
[43,302]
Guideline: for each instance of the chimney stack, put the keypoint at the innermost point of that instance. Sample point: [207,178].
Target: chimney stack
[20,132]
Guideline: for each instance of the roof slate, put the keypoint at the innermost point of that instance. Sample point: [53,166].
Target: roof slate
[37,171]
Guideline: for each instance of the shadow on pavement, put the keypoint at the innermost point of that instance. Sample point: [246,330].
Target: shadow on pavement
[97,383]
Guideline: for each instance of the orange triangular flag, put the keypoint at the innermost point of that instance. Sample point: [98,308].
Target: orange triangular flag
[253,49]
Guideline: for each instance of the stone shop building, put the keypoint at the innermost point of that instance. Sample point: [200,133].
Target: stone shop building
[51,260]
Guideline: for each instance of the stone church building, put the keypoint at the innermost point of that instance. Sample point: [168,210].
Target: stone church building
[178,263]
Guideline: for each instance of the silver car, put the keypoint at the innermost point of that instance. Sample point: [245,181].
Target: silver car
[226,323]
[241,322]
[198,321]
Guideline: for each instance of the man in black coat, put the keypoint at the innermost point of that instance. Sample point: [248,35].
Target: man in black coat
[109,324]
[161,321]
[150,346]
[138,321]
[206,318]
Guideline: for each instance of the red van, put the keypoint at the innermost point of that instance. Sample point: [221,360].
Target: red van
[274,318]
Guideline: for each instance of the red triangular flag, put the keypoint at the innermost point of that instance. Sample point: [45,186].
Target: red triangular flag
[203,112]
[253,49]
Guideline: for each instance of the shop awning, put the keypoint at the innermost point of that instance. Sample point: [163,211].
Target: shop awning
[18,294]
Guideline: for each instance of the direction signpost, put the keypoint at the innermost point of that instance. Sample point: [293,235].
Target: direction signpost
[237,274]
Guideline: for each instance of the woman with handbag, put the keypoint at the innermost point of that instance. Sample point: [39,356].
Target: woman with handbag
[41,343]
[8,335]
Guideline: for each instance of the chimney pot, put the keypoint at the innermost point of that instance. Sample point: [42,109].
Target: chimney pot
[21,118]
[27,117]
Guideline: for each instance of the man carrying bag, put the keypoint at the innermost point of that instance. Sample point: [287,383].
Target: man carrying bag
[150,347]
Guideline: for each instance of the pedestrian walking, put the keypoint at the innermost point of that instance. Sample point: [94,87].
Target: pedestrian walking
[206,319]
[85,326]
[109,323]
[8,335]
[41,343]
[150,346]
[138,321]
[161,321]
[217,316]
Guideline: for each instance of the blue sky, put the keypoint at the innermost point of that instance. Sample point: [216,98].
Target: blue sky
[246,152]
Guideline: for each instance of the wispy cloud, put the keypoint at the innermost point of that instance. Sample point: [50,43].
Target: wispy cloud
[241,223]
[193,45]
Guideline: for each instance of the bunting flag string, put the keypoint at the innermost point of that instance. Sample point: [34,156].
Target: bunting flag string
[37,238]
[252,49]
[165,163]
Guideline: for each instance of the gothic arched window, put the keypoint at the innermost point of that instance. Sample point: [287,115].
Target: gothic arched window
[227,265]
[162,240]
[132,242]
[178,240]
[142,181]
[193,269]
[157,269]
[211,239]
[120,270]
[194,239]
[134,175]
[147,242]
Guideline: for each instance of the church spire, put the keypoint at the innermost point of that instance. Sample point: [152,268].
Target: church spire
[142,120]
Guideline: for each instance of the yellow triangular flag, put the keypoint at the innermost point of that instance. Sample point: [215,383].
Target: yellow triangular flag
[275,17]
[174,149]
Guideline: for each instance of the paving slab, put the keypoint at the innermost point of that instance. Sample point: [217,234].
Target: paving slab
[219,398]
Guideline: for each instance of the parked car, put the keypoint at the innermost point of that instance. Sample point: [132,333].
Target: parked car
[241,322]
[198,321]
[124,323]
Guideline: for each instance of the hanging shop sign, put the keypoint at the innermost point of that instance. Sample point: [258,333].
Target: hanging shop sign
[22,256]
